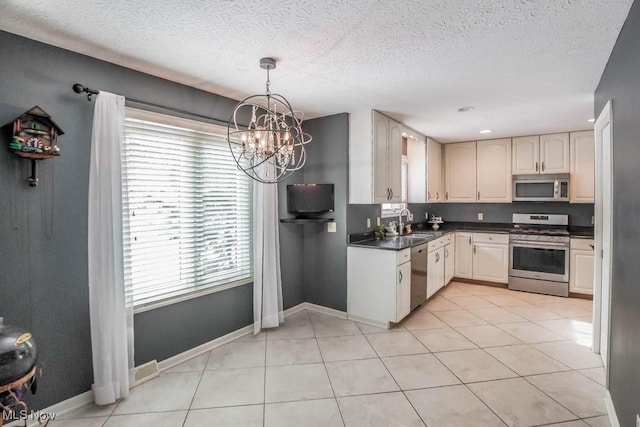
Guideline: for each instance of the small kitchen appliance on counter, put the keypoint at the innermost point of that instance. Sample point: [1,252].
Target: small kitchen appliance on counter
[539,254]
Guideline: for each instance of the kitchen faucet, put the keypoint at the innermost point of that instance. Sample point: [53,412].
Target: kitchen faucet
[400,224]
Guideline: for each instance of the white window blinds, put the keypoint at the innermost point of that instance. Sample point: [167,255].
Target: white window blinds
[187,209]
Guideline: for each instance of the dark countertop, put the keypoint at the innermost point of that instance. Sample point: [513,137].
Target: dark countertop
[424,235]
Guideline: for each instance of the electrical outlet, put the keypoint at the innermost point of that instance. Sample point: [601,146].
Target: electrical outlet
[593,221]
[331,227]
[368,222]
[637,420]
[480,216]
[377,220]
[426,215]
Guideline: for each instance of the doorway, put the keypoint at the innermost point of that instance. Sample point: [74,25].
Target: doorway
[603,233]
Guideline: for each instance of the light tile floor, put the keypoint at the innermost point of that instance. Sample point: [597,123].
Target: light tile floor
[472,355]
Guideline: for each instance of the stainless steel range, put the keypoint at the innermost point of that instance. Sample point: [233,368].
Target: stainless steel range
[539,254]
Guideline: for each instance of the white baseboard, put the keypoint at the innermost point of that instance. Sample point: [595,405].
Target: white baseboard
[85,398]
[383,325]
[611,410]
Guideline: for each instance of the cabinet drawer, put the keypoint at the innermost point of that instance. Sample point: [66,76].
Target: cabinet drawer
[446,239]
[491,238]
[582,244]
[403,256]
[436,244]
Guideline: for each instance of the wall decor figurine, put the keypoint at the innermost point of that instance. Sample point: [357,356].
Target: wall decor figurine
[35,137]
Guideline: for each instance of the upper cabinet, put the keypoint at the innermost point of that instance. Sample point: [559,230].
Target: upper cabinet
[544,154]
[460,172]
[416,166]
[375,158]
[494,171]
[435,192]
[525,155]
[554,153]
[582,167]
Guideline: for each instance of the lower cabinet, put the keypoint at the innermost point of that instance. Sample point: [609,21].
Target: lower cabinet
[581,266]
[378,284]
[491,262]
[449,262]
[464,256]
[482,256]
[435,271]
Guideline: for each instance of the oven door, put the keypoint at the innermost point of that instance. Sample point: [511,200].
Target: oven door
[539,260]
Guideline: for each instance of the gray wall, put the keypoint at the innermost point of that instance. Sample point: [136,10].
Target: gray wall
[621,84]
[43,233]
[325,254]
[579,214]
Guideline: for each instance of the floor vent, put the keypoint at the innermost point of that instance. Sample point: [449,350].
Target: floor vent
[145,372]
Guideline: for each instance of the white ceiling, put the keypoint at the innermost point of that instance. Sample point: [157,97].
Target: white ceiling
[528,66]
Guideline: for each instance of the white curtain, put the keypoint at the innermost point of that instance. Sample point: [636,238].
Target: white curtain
[267,283]
[111,317]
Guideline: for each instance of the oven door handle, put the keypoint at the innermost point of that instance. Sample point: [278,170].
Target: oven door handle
[540,245]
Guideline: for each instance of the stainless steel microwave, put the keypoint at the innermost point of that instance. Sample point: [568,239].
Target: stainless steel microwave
[541,188]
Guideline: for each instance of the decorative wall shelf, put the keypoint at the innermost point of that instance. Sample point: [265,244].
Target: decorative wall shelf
[35,137]
[305,220]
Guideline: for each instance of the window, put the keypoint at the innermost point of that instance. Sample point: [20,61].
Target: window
[187,220]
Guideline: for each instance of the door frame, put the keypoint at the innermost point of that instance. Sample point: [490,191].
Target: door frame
[603,231]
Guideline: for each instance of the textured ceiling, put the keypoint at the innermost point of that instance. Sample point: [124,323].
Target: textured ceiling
[528,66]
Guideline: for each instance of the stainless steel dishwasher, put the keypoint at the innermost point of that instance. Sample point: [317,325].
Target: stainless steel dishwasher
[418,275]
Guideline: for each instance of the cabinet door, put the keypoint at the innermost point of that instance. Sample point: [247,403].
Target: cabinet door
[491,262]
[434,171]
[525,155]
[494,170]
[403,291]
[395,161]
[463,259]
[434,265]
[582,167]
[449,262]
[460,172]
[581,272]
[417,158]
[554,153]
[381,190]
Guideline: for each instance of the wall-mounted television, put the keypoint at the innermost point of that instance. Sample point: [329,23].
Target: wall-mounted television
[308,199]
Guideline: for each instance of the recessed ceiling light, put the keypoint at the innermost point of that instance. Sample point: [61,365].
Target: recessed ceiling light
[486,131]
[466,109]
[591,120]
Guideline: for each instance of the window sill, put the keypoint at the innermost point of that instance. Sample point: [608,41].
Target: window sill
[191,295]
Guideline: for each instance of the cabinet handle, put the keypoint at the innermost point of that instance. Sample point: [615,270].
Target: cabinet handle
[474,249]
[478,195]
[391,189]
[428,195]
[388,193]
[446,195]
[469,240]
[536,166]
[446,253]
[437,196]
[542,166]
[437,257]
[592,247]
[400,276]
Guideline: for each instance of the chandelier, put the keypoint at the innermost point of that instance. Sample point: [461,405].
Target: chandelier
[271,147]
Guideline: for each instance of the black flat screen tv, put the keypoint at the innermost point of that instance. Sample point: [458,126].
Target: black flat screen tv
[308,199]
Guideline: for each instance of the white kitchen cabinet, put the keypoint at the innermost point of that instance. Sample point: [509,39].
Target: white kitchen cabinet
[525,155]
[435,192]
[463,256]
[581,266]
[491,257]
[403,292]
[417,167]
[460,172]
[582,167]
[449,262]
[494,170]
[375,158]
[378,284]
[554,153]
[435,271]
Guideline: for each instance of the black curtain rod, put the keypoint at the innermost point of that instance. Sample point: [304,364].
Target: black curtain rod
[78,88]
